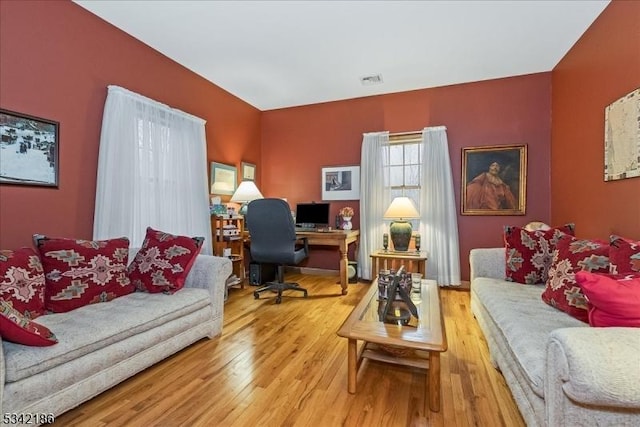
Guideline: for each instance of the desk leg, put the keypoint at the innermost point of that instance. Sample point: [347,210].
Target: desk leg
[352,364]
[344,264]
[433,381]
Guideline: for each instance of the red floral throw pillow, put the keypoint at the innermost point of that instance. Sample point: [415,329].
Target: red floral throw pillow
[571,256]
[163,262]
[614,300]
[22,281]
[529,253]
[82,272]
[19,329]
[624,255]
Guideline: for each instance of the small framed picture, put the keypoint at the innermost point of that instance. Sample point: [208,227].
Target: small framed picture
[29,148]
[341,183]
[224,178]
[248,171]
[494,180]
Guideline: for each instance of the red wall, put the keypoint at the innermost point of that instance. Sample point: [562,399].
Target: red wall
[56,62]
[601,67]
[298,142]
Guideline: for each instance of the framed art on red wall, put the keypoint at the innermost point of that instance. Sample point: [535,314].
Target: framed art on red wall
[494,180]
[29,149]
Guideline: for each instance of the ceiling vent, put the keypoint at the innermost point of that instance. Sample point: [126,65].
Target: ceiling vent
[371,80]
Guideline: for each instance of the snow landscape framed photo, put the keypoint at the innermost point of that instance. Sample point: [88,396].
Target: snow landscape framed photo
[29,149]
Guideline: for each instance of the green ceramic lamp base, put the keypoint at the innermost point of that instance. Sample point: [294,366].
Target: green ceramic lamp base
[400,232]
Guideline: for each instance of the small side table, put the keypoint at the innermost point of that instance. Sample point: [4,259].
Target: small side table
[414,261]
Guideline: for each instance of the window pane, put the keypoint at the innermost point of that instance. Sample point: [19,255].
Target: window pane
[396,155]
[412,153]
[412,175]
[395,176]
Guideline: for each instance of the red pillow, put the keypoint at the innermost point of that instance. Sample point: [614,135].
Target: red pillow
[571,256]
[82,272]
[614,300]
[22,281]
[529,253]
[163,262]
[624,255]
[19,329]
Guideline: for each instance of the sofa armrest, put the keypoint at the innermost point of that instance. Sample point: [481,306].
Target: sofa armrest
[210,273]
[487,262]
[593,366]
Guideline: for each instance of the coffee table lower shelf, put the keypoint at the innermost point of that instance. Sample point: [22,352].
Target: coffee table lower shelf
[429,360]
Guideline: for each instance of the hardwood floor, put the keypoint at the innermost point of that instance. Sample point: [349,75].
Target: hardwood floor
[284,365]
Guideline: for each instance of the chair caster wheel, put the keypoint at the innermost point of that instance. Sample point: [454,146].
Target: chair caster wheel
[278,299]
[256,295]
[305,294]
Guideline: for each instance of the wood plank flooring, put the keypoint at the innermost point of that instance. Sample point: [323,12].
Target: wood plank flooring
[284,365]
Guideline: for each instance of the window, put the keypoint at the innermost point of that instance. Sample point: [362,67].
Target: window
[405,163]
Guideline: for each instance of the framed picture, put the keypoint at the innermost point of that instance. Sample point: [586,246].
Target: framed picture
[622,138]
[248,171]
[494,180]
[224,178]
[29,149]
[341,183]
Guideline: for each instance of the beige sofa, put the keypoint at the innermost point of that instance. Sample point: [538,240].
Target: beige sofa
[560,371]
[103,344]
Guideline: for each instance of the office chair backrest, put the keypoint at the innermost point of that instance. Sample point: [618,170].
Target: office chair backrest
[272,230]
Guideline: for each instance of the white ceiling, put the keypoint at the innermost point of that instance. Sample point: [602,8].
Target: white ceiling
[276,54]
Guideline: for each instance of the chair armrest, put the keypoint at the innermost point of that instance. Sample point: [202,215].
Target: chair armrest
[488,262]
[593,366]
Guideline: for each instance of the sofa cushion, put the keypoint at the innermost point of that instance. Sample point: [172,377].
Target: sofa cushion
[163,261]
[22,281]
[529,253]
[624,255]
[570,256]
[524,323]
[82,272]
[96,326]
[19,329]
[614,300]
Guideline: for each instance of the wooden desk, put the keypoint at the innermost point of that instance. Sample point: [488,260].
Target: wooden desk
[340,238]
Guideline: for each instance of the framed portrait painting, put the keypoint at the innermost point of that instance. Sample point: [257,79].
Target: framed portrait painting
[494,180]
[29,149]
[341,183]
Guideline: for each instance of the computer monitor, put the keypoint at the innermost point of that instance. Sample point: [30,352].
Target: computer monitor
[312,214]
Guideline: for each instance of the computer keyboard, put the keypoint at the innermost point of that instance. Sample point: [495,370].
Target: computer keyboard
[305,228]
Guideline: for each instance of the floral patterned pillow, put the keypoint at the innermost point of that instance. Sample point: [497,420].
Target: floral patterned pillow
[571,256]
[19,329]
[163,262]
[529,253]
[624,255]
[22,281]
[82,272]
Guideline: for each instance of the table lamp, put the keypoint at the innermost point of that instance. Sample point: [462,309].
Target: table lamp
[401,209]
[246,192]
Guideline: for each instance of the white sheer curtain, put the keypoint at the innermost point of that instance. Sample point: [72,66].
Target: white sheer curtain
[152,171]
[374,196]
[438,223]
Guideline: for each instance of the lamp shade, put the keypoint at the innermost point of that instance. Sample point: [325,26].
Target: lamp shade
[246,192]
[401,209]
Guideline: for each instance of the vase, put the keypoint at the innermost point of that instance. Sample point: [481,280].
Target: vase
[346,223]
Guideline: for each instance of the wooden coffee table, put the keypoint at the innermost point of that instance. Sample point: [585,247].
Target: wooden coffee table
[416,344]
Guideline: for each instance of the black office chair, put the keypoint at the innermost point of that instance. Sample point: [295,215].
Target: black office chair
[273,241]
